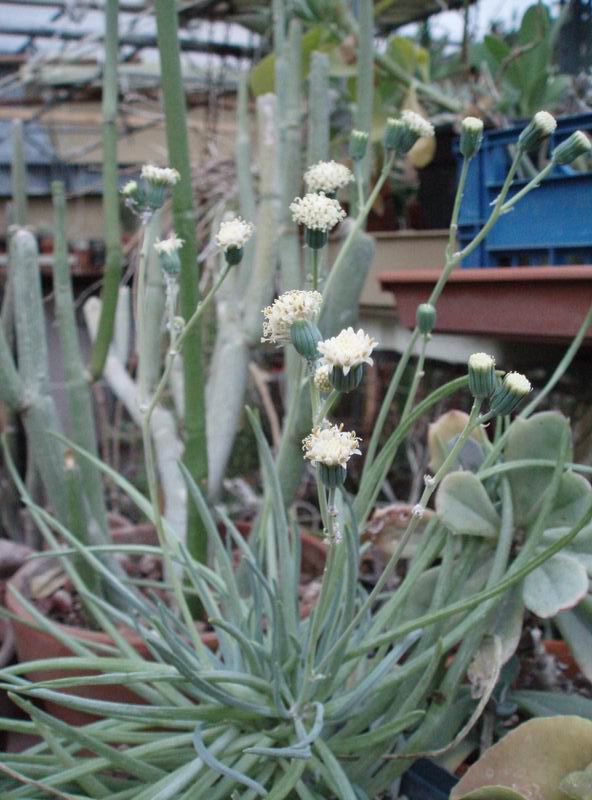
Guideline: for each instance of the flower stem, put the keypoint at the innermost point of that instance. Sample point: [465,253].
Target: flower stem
[359,222]
[325,409]
[315,268]
[428,491]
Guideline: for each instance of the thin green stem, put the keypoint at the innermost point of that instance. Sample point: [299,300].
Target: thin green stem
[428,491]
[314,263]
[551,383]
[406,355]
[533,184]
[360,180]
[148,240]
[458,198]
[327,406]
[388,401]
[417,376]
[359,222]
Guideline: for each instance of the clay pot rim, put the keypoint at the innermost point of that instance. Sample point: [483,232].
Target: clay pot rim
[209,638]
[75,631]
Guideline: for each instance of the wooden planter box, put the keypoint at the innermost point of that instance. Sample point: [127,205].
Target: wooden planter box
[542,303]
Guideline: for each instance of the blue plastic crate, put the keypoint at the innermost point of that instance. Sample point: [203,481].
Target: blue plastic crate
[552,225]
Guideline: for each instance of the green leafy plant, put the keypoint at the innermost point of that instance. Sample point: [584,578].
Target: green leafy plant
[516,479]
[522,65]
[336,704]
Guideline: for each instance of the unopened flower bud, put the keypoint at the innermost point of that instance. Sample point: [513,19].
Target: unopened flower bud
[157,180]
[401,134]
[513,389]
[482,378]
[346,382]
[305,337]
[168,252]
[322,378]
[426,318]
[358,145]
[538,129]
[471,136]
[576,145]
[131,190]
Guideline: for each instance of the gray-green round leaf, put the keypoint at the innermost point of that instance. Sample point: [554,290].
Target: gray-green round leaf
[537,437]
[464,506]
[558,584]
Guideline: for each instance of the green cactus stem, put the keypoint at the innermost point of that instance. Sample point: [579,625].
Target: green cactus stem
[113,257]
[318,109]
[82,423]
[19,175]
[36,405]
[365,82]
[196,454]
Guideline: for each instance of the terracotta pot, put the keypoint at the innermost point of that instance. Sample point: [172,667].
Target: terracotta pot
[560,650]
[32,645]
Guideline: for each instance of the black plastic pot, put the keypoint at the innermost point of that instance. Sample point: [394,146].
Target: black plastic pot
[427,781]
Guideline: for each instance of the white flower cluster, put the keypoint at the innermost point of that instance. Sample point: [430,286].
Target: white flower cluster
[418,124]
[168,246]
[348,349]
[160,176]
[331,445]
[234,233]
[317,211]
[289,307]
[327,176]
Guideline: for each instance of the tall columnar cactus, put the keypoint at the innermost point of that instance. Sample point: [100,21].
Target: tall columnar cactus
[112,227]
[19,175]
[195,454]
[25,389]
[250,289]
[82,424]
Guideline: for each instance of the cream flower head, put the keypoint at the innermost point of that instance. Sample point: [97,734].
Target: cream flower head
[160,176]
[481,362]
[348,349]
[418,124]
[289,307]
[517,384]
[130,189]
[168,246]
[327,176]
[234,233]
[331,445]
[545,122]
[317,211]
